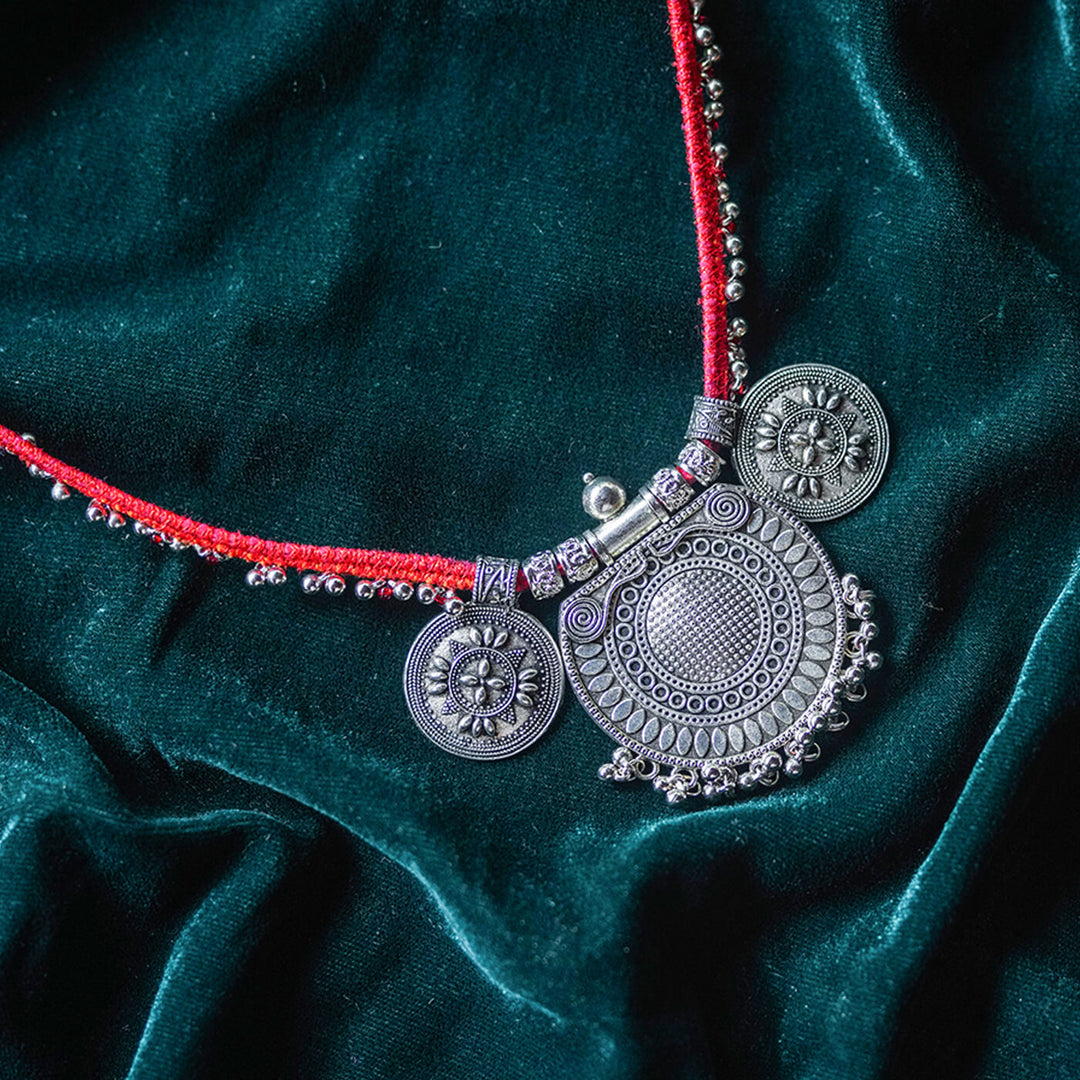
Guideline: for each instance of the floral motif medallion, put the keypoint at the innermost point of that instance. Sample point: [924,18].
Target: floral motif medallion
[484,684]
[814,438]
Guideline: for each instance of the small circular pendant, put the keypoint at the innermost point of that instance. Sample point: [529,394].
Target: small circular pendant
[484,684]
[814,438]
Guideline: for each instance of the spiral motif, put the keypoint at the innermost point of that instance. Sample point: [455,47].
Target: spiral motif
[727,507]
[583,618]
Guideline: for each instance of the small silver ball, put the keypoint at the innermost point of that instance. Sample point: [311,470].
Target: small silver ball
[734,290]
[704,35]
[737,327]
[606,771]
[403,590]
[736,353]
[38,472]
[714,110]
[603,497]
[739,369]
[275,575]
[255,577]
[863,609]
[95,512]
[733,244]
[424,593]
[712,56]
[454,606]
[59,492]
[334,585]
[720,151]
[310,583]
[873,660]
[731,210]
[364,590]
[737,267]
[723,191]
[115,520]
[793,768]
[714,88]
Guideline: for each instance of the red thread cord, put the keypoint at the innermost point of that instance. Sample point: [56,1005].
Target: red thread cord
[705,175]
[354,562]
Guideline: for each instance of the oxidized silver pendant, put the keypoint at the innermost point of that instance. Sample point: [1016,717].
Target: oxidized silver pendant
[814,438]
[717,646]
[485,683]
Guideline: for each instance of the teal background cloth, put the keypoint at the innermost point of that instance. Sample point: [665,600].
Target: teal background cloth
[395,276]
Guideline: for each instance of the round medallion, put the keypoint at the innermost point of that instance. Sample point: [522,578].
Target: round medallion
[484,684]
[707,642]
[814,438]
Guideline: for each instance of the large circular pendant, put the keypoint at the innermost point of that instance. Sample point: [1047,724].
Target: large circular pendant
[484,684]
[717,638]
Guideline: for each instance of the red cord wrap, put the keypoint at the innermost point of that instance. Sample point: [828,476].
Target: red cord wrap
[355,562]
[705,174]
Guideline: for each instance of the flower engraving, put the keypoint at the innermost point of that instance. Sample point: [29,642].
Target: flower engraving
[482,681]
[812,441]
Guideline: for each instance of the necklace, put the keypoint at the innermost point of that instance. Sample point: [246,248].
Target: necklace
[709,634]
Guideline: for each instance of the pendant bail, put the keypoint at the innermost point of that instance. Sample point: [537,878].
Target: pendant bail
[496,580]
[713,420]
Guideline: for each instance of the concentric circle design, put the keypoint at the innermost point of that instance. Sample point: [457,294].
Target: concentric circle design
[707,642]
[484,684]
[814,438]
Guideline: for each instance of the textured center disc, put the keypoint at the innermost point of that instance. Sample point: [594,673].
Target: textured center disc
[703,625]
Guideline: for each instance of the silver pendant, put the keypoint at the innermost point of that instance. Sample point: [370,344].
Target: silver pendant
[485,683]
[717,646]
[814,438]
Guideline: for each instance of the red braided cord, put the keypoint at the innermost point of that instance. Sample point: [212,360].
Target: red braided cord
[705,174]
[390,565]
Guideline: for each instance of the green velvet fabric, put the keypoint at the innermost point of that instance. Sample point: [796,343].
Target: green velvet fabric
[397,275]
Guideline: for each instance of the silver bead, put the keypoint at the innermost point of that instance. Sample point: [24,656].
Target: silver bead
[403,590]
[712,56]
[714,110]
[454,605]
[723,191]
[733,244]
[737,267]
[59,492]
[275,575]
[140,528]
[734,290]
[424,593]
[731,210]
[334,585]
[542,573]
[739,370]
[873,660]
[310,583]
[714,88]
[863,609]
[115,520]
[27,437]
[255,577]
[703,35]
[737,327]
[603,497]
[720,151]
[736,353]
[365,590]
[38,472]
[95,512]
[793,768]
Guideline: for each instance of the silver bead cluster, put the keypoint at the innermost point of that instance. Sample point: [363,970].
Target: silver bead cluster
[709,55]
[580,557]
[384,588]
